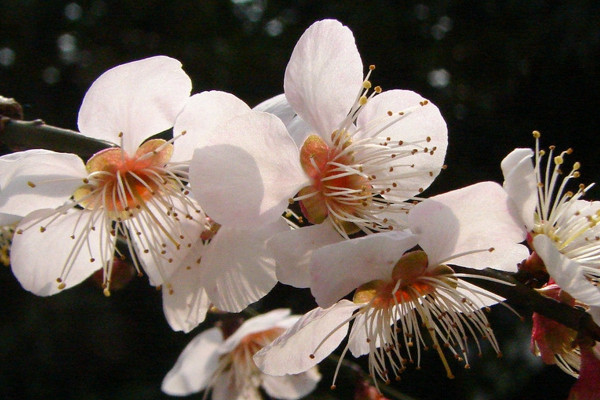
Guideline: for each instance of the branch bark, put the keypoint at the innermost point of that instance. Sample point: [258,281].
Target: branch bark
[523,297]
[25,135]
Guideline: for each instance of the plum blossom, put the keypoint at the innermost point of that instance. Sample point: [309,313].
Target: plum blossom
[363,151]
[224,366]
[73,214]
[563,229]
[228,265]
[399,287]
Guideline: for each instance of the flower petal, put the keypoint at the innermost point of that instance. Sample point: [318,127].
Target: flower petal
[421,127]
[291,387]
[238,269]
[202,115]
[246,177]
[138,99]
[568,274]
[170,240]
[186,306]
[291,352]
[520,183]
[293,249]
[38,255]
[324,76]
[477,217]
[338,269]
[195,366]
[256,324]
[279,107]
[36,179]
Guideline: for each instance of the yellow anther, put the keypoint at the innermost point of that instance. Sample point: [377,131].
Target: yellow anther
[367,85]
[558,160]
[363,100]
[31,184]
[536,134]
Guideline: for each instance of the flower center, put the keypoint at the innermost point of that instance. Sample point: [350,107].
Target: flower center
[336,189]
[122,184]
[561,214]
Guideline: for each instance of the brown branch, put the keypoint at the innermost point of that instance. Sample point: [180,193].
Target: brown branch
[25,135]
[525,298]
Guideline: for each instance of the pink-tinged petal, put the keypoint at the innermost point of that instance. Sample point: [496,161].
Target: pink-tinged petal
[520,183]
[248,174]
[587,386]
[324,76]
[279,107]
[39,254]
[567,274]
[338,269]
[36,179]
[186,304]
[291,387]
[138,99]
[312,335]
[421,127]
[202,115]
[238,269]
[293,249]
[477,217]
[196,365]
[253,325]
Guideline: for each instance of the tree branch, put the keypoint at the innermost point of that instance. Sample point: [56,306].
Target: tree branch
[25,135]
[523,297]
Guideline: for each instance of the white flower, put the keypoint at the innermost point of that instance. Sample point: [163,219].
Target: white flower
[364,152]
[225,366]
[564,229]
[399,289]
[229,265]
[73,214]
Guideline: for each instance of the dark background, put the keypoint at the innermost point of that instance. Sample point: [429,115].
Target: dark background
[496,69]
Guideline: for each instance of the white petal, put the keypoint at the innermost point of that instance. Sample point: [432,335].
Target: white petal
[253,325]
[293,249]
[200,117]
[324,76]
[568,274]
[424,126]
[238,269]
[163,250]
[477,217]
[186,306]
[520,183]
[9,219]
[338,269]
[279,107]
[38,258]
[246,177]
[139,99]
[290,352]
[195,366]
[36,179]
[291,387]
[226,387]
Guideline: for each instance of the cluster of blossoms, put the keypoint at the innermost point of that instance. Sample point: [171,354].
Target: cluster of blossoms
[316,188]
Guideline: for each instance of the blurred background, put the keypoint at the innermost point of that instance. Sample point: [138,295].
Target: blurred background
[496,69]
